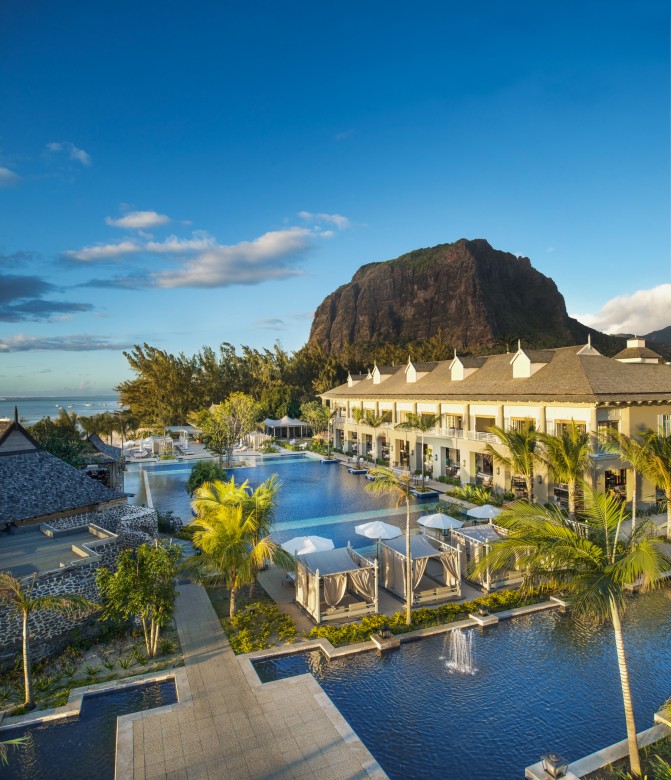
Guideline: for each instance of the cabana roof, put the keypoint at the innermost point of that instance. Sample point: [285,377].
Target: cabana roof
[284,423]
[482,534]
[337,561]
[420,547]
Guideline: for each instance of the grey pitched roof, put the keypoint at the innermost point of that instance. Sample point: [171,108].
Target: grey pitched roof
[472,362]
[36,483]
[108,452]
[566,377]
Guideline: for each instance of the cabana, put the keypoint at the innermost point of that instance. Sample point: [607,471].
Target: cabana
[286,428]
[336,584]
[475,543]
[436,570]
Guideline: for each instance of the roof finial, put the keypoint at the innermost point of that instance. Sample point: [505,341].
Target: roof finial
[589,339]
[16,414]
[519,345]
[455,352]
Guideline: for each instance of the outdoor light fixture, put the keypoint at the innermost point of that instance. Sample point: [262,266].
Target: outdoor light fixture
[554,765]
[435,457]
[385,631]
[463,463]
[498,471]
[540,480]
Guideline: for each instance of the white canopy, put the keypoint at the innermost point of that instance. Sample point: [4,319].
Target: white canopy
[376,529]
[485,512]
[285,422]
[441,521]
[303,545]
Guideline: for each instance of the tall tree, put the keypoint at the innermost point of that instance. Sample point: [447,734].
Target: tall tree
[635,453]
[567,458]
[23,601]
[359,414]
[520,453]
[142,586]
[656,466]
[385,482]
[229,536]
[594,561]
[164,389]
[60,437]
[223,425]
[423,424]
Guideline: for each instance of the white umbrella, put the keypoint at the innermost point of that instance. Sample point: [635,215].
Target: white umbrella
[376,529]
[444,522]
[302,545]
[484,512]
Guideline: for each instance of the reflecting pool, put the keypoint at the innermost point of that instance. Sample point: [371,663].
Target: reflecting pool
[84,747]
[541,683]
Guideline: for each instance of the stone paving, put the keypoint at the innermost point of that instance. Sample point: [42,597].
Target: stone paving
[226,726]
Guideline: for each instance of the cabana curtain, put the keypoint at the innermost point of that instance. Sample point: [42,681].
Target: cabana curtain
[363,582]
[338,572]
[335,587]
[392,554]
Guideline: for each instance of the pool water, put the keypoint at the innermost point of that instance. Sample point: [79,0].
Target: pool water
[314,498]
[542,683]
[84,747]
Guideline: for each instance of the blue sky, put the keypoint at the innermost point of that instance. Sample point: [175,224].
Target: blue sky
[191,173]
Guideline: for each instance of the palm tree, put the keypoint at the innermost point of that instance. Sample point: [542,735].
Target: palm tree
[631,450]
[232,548]
[332,414]
[567,458]
[422,423]
[521,457]
[23,602]
[359,414]
[385,482]
[6,745]
[656,467]
[593,561]
[374,421]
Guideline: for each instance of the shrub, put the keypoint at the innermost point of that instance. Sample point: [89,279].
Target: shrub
[205,471]
[422,618]
[254,626]
[166,647]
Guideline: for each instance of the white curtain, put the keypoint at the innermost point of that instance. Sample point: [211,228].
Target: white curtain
[313,593]
[301,583]
[363,582]
[418,569]
[335,587]
[450,567]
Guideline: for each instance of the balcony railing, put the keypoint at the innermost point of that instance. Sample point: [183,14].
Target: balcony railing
[481,436]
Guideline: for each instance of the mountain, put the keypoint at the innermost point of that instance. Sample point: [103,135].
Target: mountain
[467,294]
[662,336]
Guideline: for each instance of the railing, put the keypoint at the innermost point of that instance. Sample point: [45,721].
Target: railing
[481,436]
[453,433]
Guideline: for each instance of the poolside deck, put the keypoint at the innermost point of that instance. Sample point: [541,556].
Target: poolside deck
[232,730]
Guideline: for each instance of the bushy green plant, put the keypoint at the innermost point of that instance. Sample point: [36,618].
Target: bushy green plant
[252,628]
[422,618]
[205,471]
[125,661]
[166,647]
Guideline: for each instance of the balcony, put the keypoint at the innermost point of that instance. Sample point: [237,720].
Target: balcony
[481,436]
[452,433]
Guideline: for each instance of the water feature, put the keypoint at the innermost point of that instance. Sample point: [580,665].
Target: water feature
[85,747]
[542,683]
[458,651]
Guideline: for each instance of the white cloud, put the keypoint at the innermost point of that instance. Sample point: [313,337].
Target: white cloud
[72,151]
[81,343]
[271,256]
[8,178]
[642,312]
[139,220]
[342,223]
[89,254]
[199,242]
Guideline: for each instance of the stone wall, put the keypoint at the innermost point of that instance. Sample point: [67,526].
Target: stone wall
[49,630]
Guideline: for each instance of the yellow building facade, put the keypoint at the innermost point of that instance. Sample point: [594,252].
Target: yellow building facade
[468,395]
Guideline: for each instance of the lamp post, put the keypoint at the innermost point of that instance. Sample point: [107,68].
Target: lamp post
[554,765]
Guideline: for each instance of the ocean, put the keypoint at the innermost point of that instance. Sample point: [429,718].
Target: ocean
[33,409]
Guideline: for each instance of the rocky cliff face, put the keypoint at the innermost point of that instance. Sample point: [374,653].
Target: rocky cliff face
[475,296]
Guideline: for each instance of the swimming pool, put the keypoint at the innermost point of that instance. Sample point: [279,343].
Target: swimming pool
[542,683]
[84,747]
[314,498]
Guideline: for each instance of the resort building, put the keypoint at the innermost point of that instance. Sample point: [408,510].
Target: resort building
[548,389]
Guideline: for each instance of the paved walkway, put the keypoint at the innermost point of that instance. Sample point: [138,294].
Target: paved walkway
[235,728]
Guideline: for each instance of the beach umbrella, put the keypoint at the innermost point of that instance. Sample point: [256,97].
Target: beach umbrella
[376,529]
[302,545]
[484,512]
[441,521]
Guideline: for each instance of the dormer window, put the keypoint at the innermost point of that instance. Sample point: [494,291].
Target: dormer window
[526,363]
[462,367]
